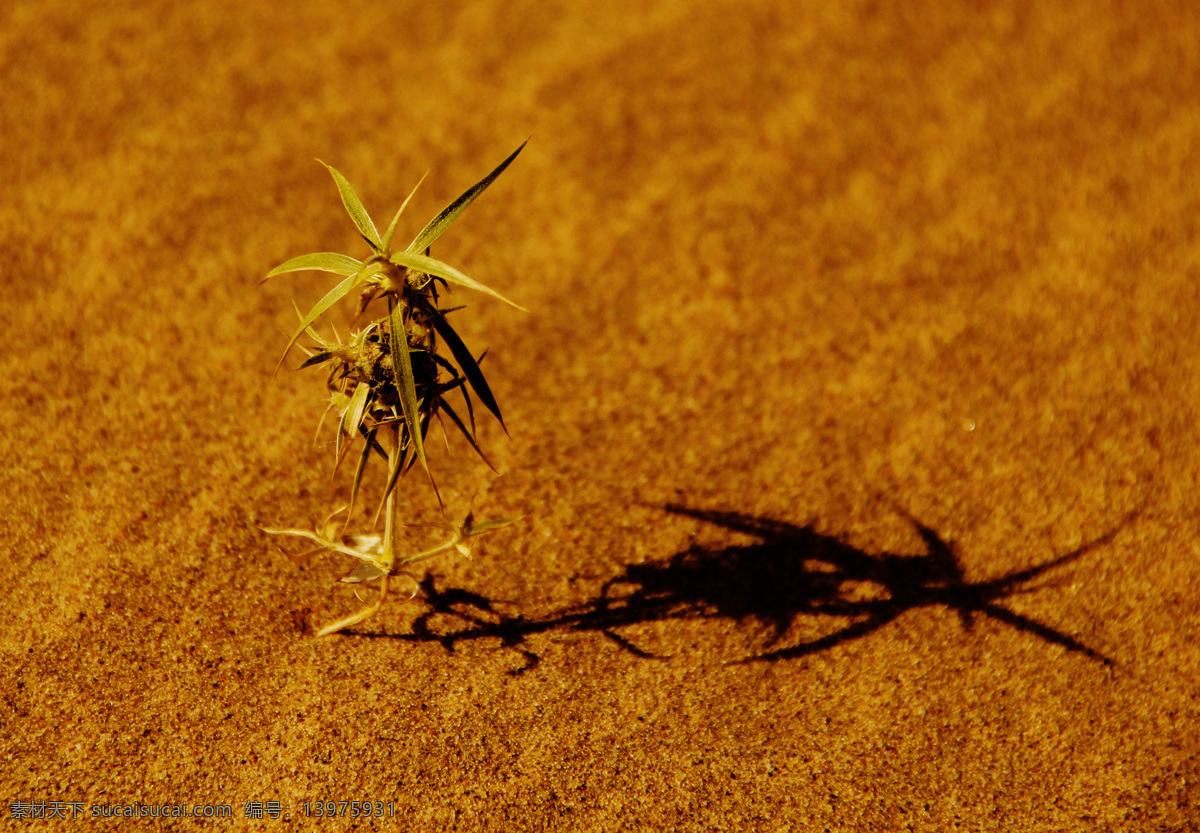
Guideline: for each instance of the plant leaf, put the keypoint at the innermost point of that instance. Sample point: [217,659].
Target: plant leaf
[332,297]
[471,410]
[460,384]
[445,406]
[354,207]
[364,571]
[487,526]
[429,265]
[351,420]
[358,471]
[353,415]
[320,261]
[450,213]
[466,361]
[317,358]
[405,382]
[387,236]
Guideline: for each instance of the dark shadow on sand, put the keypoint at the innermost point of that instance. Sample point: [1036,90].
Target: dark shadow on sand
[788,573]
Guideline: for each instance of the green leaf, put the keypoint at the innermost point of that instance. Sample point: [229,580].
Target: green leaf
[353,415]
[466,361]
[450,213]
[387,237]
[431,266]
[354,207]
[358,471]
[313,334]
[405,382]
[320,261]
[487,526]
[445,406]
[336,294]
[317,358]
[471,410]
[364,571]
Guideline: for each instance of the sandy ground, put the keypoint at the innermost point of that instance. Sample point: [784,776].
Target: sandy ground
[854,419]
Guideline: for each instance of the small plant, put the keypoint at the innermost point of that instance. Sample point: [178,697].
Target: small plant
[388,382]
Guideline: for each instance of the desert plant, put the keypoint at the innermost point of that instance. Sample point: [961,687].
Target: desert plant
[388,382]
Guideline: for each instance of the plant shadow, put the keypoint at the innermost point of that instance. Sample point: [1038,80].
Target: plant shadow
[787,574]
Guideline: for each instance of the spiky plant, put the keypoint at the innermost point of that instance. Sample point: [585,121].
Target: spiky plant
[388,381]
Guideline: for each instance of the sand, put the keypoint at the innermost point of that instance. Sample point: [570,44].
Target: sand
[853,424]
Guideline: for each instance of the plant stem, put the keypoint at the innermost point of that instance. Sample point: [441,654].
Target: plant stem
[388,556]
[389,519]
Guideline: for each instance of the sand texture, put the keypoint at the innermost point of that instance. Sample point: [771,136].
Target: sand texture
[854,422]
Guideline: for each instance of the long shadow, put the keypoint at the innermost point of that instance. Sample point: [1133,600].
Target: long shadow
[789,573]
